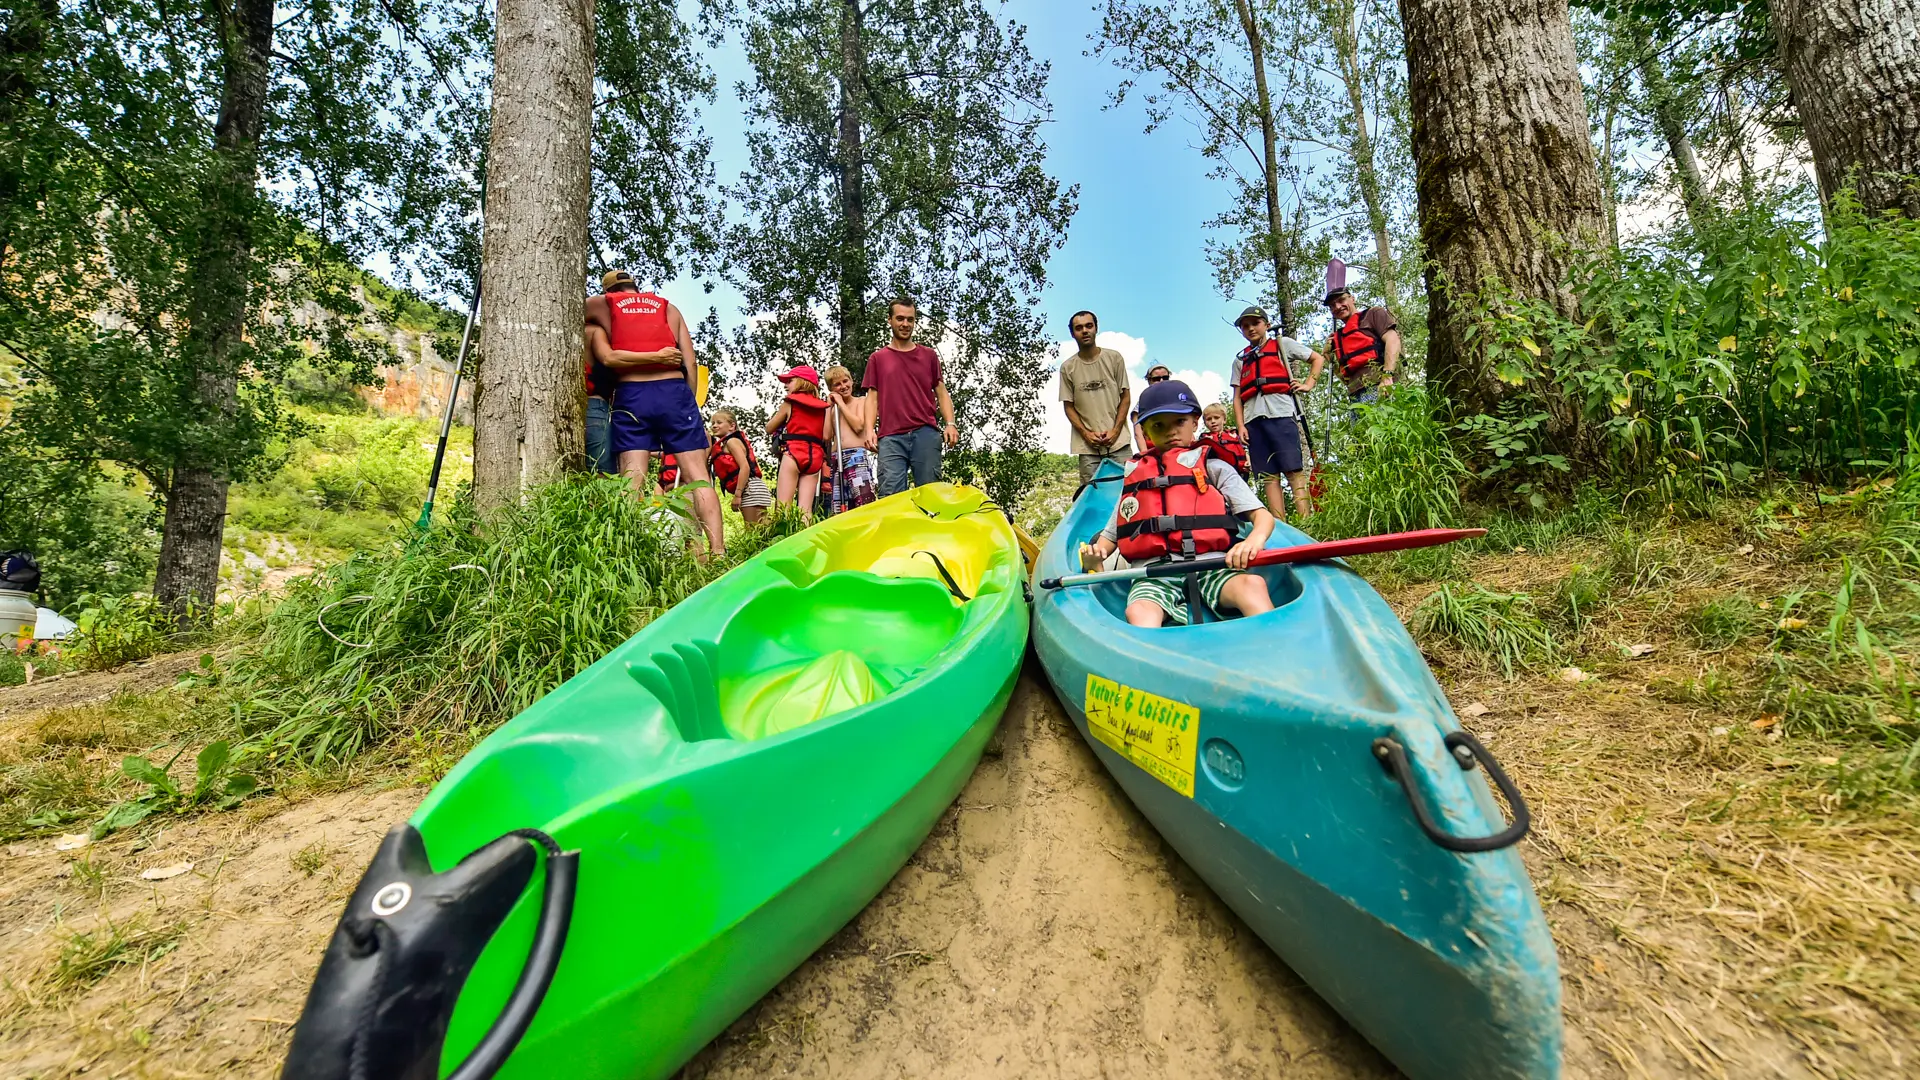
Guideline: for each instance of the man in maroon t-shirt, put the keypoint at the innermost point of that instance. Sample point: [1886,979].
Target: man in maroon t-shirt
[903,382]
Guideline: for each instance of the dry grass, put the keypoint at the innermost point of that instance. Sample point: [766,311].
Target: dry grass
[1725,902]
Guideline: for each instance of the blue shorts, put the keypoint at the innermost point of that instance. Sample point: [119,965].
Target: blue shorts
[657,416]
[1273,445]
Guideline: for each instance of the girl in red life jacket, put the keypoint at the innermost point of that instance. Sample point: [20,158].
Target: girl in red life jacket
[1223,441]
[1177,501]
[799,425]
[737,468]
[669,475]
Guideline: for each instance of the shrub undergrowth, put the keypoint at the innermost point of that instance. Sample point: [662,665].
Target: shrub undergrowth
[464,627]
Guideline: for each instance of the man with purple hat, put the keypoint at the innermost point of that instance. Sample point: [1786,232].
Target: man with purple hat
[1365,343]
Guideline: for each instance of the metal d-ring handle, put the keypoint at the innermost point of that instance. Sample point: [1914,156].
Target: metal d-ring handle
[1466,750]
[549,938]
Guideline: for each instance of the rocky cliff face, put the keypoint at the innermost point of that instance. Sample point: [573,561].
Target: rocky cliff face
[418,381]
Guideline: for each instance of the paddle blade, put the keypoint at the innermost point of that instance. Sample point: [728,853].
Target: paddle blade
[1364,545]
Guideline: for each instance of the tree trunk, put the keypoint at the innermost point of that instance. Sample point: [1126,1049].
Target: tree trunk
[854,264]
[1276,225]
[1609,187]
[1346,40]
[1673,127]
[1854,69]
[1506,177]
[528,420]
[188,576]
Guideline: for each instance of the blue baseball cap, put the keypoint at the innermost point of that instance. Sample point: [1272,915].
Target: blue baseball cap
[1171,396]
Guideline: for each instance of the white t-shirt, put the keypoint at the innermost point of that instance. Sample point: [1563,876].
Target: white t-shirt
[1298,356]
[1239,497]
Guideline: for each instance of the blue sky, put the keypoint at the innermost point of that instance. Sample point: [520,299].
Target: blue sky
[1135,252]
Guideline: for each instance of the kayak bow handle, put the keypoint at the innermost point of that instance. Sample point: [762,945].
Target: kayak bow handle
[385,992]
[1466,750]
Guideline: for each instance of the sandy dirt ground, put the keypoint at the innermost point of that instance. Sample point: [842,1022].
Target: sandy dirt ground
[1044,930]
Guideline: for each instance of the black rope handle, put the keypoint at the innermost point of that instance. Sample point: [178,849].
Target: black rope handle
[1466,750]
[952,585]
[549,939]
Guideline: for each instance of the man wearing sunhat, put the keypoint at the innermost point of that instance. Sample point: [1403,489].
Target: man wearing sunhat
[1266,411]
[650,351]
[1365,343]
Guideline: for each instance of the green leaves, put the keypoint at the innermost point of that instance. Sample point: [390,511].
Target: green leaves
[213,782]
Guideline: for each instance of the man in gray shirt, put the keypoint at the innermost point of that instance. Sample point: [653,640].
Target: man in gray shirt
[1095,395]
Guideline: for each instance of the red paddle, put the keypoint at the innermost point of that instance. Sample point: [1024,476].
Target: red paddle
[1326,549]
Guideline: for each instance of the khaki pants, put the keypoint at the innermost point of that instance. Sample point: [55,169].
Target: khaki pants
[1090,463]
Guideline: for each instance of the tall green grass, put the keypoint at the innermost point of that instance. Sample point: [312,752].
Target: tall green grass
[467,626]
[1502,629]
[1393,470]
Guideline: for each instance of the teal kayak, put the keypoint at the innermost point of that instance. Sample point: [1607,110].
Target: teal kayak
[1307,766]
[716,797]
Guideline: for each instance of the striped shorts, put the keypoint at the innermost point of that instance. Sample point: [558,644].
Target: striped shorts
[754,494]
[1170,594]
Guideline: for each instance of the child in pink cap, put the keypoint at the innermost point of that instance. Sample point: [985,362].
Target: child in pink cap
[799,426]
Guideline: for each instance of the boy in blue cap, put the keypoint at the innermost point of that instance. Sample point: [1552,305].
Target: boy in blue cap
[1179,501]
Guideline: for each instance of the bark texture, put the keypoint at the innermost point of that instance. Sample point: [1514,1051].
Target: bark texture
[854,269]
[1854,69]
[528,419]
[1270,167]
[188,575]
[1506,171]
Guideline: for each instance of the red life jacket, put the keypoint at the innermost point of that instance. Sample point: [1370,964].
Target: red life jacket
[1175,511]
[1263,370]
[1356,346]
[600,378]
[806,421]
[1228,448]
[669,472]
[726,467]
[639,324]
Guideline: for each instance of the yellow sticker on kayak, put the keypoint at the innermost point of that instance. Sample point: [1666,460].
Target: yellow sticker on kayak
[1159,735]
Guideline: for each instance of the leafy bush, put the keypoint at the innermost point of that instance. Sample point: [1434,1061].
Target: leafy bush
[1763,344]
[92,529]
[380,465]
[1502,628]
[1394,471]
[115,630]
[467,627]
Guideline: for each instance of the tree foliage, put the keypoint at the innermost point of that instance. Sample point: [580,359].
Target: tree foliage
[939,131]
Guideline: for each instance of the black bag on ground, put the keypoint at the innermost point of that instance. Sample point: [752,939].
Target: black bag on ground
[19,570]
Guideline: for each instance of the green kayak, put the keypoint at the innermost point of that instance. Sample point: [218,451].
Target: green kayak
[738,780]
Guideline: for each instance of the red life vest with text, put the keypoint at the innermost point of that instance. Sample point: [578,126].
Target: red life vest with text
[1263,370]
[1228,448]
[726,467]
[669,472]
[1356,346]
[1167,508]
[639,324]
[806,420]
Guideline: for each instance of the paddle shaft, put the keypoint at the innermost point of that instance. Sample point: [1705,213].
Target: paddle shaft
[1329,549]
